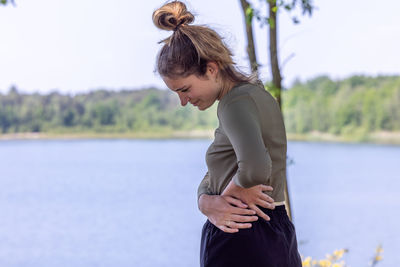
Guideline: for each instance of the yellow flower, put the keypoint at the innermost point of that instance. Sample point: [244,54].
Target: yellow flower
[378,258]
[338,254]
[307,262]
[314,262]
[324,263]
[337,265]
[379,249]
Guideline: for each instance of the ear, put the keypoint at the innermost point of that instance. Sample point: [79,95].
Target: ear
[212,69]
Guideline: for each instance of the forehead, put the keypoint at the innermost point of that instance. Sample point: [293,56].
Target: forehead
[177,83]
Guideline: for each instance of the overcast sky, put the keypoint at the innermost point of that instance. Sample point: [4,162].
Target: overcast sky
[80,45]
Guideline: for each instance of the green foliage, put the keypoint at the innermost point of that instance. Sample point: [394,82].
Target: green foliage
[273,90]
[249,14]
[306,7]
[100,111]
[5,2]
[354,106]
[271,22]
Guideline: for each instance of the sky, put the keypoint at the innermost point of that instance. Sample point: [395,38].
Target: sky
[82,45]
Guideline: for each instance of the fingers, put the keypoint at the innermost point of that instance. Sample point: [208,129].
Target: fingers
[264,195]
[235,201]
[267,198]
[260,212]
[227,229]
[241,211]
[266,187]
[241,219]
[235,225]
[265,204]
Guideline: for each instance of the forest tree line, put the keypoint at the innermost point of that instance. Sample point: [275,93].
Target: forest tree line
[355,105]
[101,111]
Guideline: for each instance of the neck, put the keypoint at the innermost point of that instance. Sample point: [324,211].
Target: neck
[225,88]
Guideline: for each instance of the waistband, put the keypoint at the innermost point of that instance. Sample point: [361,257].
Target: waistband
[279,203]
[278,210]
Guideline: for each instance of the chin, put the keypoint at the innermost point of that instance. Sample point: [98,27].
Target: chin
[203,107]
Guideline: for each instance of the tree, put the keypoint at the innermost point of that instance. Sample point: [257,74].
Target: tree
[248,20]
[272,21]
[5,2]
[273,7]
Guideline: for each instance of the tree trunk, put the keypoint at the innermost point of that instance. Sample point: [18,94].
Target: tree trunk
[276,74]
[251,51]
[273,50]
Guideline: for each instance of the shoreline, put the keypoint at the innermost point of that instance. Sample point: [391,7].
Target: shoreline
[195,134]
[379,138]
[388,138]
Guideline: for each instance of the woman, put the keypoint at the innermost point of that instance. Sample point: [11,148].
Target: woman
[242,192]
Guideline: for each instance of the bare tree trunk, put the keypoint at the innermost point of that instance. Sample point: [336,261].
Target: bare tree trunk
[273,49]
[251,51]
[276,74]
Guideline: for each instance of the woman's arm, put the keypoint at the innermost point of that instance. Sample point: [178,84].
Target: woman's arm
[241,122]
[203,186]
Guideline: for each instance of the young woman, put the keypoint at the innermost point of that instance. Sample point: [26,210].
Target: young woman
[242,193]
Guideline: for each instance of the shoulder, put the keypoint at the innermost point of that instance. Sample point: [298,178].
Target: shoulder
[241,99]
[247,94]
[240,94]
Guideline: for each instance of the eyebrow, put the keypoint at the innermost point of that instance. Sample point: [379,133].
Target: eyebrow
[180,89]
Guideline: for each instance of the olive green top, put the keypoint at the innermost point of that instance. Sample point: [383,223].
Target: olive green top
[249,145]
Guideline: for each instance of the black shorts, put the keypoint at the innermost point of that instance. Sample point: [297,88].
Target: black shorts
[266,244]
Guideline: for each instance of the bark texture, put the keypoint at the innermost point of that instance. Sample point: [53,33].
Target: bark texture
[251,51]
[276,73]
[273,49]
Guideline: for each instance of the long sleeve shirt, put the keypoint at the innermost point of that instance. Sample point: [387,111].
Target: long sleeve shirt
[249,145]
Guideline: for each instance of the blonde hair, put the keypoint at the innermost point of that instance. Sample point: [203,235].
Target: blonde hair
[190,47]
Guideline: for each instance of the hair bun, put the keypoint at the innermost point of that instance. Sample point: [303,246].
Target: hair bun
[171,15]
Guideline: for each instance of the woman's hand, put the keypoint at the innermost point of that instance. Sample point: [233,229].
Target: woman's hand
[226,213]
[252,196]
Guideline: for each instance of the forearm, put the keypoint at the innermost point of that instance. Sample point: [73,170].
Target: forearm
[204,203]
[203,186]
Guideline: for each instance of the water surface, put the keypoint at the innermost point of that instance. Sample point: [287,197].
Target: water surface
[133,202]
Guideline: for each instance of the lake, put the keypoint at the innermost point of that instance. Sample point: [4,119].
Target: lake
[133,202]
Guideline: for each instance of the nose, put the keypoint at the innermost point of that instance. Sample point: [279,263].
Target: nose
[184,99]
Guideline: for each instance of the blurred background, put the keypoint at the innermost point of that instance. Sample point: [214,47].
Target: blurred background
[99,165]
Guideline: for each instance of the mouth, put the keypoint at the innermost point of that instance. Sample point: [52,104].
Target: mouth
[196,103]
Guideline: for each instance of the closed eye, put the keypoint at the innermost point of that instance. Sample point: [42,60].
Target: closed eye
[185,89]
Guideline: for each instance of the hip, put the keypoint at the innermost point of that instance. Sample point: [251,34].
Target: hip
[267,243]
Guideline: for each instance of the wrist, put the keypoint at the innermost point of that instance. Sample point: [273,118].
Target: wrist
[233,189]
[203,203]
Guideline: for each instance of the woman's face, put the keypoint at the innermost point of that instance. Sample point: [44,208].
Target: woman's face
[198,91]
